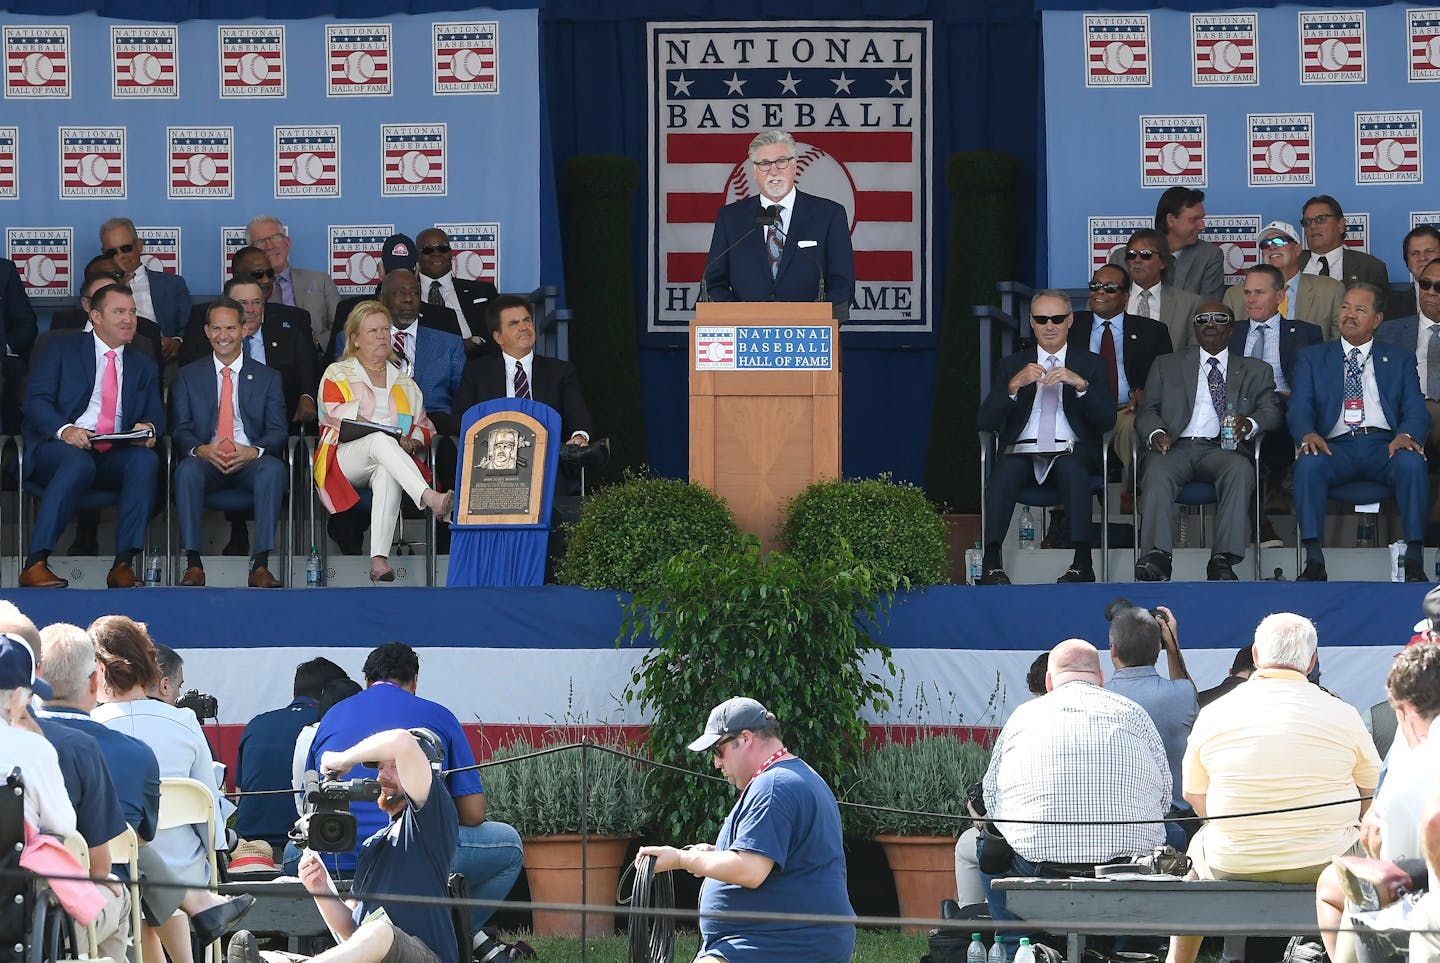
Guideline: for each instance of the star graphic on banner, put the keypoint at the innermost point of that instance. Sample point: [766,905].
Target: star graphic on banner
[897,83]
[842,83]
[736,85]
[682,86]
[789,85]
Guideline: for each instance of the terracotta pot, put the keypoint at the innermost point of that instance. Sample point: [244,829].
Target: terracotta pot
[924,868]
[552,867]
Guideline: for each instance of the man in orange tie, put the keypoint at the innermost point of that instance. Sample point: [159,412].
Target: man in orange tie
[229,418]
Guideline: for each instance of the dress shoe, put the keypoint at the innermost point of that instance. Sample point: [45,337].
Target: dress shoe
[1370,884]
[261,578]
[242,948]
[239,543]
[1314,572]
[194,575]
[1153,567]
[215,922]
[121,576]
[1076,573]
[1415,572]
[381,574]
[1269,538]
[1220,569]
[40,576]
[994,576]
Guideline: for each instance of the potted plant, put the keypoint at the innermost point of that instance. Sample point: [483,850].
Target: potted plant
[538,792]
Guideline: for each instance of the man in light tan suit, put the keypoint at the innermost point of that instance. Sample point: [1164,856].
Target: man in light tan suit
[1307,297]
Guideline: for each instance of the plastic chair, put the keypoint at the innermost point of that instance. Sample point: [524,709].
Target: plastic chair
[1351,493]
[185,802]
[125,848]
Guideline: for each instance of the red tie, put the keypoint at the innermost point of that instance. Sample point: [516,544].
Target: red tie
[400,344]
[1107,351]
[225,423]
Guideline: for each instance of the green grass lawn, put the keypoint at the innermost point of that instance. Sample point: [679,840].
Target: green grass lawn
[870,947]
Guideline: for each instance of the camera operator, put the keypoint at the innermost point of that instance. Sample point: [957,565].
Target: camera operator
[408,857]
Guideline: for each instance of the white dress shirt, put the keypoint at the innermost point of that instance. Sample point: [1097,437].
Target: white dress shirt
[140,288]
[408,342]
[510,363]
[787,208]
[1422,351]
[1152,311]
[91,416]
[452,300]
[1374,414]
[1204,422]
[1272,348]
[240,437]
[1333,260]
[1063,431]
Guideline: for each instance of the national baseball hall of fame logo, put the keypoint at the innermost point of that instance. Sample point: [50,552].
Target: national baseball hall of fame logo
[856,98]
[355,256]
[37,61]
[1234,234]
[144,62]
[1332,47]
[477,250]
[1282,149]
[1387,148]
[43,257]
[359,58]
[307,161]
[92,162]
[1357,231]
[1117,51]
[1172,151]
[162,249]
[412,159]
[232,239]
[9,162]
[252,61]
[1424,33]
[465,57]
[1223,51]
[202,161]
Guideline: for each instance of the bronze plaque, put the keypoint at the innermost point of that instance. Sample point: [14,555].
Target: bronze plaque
[503,479]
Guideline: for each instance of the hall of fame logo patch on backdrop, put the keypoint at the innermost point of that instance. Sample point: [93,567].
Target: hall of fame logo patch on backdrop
[1108,233]
[232,239]
[37,61]
[43,257]
[1282,149]
[1387,148]
[1235,234]
[92,162]
[466,57]
[1172,151]
[144,62]
[355,256]
[202,161]
[1357,231]
[307,161]
[1117,51]
[477,250]
[162,249]
[252,61]
[1423,27]
[359,57]
[9,162]
[1223,50]
[1418,218]
[1332,47]
[412,159]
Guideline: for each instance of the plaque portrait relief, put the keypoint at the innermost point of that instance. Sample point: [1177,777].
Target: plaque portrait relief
[502,479]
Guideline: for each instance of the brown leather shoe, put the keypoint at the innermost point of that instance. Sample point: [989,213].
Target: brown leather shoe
[194,575]
[261,578]
[40,576]
[121,576]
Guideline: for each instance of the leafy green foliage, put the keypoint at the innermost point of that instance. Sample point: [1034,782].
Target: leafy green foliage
[930,775]
[627,530]
[889,526]
[540,796]
[793,635]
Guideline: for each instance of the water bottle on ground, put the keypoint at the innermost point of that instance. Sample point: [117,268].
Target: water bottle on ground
[1365,531]
[974,559]
[997,951]
[1027,528]
[152,568]
[1227,429]
[976,953]
[1026,952]
[312,569]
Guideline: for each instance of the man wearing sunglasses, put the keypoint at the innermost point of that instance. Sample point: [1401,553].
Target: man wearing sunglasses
[1186,398]
[398,253]
[1304,297]
[1148,259]
[441,286]
[1051,405]
[1357,414]
[163,297]
[314,292]
[1323,222]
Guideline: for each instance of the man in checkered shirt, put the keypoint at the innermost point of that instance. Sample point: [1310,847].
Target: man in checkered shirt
[1076,753]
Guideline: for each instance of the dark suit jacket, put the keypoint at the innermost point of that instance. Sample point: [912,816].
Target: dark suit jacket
[1201,269]
[1170,394]
[475,300]
[434,316]
[744,273]
[289,349]
[1145,340]
[195,406]
[1357,266]
[1399,304]
[552,382]
[1090,417]
[147,332]
[62,379]
[171,297]
[439,365]
[1318,389]
[18,327]
[1294,335]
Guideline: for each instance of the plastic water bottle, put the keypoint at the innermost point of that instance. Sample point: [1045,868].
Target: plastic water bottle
[1026,952]
[976,953]
[1365,531]
[997,951]
[152,568]
[312,569]
[974,558]
[1227,429]
[1027,528]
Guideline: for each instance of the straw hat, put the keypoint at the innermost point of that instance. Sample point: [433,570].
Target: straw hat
[253,856]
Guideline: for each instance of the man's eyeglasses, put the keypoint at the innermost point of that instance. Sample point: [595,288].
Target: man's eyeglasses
[1139,255]
[719,748]
[275,238]
[1049,318]
[1425,284]
[435,249]
[1109,287]
[258,274]
[1279,241]
[122,249]
[1317,219]
[1214,317]
[779,163]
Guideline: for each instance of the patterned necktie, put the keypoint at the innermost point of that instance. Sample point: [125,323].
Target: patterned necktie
[281,293]
[1432,364]
[400,345]
[775,241]
[225,422]
[109,398]
[1353,389]
[248,345]
[1107,352]
[1257,350]
[1217,388]
[522,383]
[435,296]
[1144,305]
[1324,267]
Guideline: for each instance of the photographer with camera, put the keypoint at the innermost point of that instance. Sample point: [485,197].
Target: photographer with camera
[410,856]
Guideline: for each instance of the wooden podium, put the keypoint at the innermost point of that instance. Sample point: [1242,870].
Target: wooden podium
[763,423]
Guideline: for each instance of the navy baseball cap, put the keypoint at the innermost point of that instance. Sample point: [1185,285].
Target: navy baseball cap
[17,666]
[730,718]
[398,252]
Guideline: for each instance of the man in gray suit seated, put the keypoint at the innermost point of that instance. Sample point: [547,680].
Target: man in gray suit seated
[1186,397]
[311,291]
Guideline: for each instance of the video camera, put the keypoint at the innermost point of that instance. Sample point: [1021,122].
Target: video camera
[203,704]
[326,824]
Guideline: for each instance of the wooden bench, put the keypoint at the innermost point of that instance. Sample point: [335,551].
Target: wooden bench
[1116,906]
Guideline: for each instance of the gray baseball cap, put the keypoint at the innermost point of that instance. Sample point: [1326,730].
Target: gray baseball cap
[730,718]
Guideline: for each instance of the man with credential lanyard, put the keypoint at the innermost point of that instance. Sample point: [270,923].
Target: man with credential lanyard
[779,850]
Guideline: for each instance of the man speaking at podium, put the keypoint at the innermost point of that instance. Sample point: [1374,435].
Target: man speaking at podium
[784,245]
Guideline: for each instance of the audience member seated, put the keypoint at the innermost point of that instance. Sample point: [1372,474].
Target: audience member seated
[470,300]
[398,253]
[1425,939]
[162,297]
[1240,668]
[128,669]
[1357,413]
[1326,252]
[99,272]
[1420,333]
[1303,297]
[18,331]
[82,384]
[228,418]
[434,359]
[1186,399]
[368,385]
[336,690]
[262,763]
[1197,266]
[1420,246]
[1275,743]
[489,852]
[1152,295]
[47,805]
[313,292]
[1051,405]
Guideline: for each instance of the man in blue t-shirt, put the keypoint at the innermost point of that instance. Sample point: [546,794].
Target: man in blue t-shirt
[409,856]
[779,851]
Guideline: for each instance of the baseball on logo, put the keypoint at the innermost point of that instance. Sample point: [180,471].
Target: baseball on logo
[1281,157]
[1389,154]
[1174,158]
[252,69]
[469,264]
[40,271]
[200,169]
[151,263]
[414,166]
[821,174]
[1118,57]
[359,67]
[145,69]
[1431,52]
[360,268]
[37,69]
[1234,257]
[466,65]
[1225,56]
[307,168]
[1333,54]
[93,170]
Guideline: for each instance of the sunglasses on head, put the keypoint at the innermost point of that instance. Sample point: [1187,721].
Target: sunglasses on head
[257,274]
[1213,317]
[435,249]
[1140,255]
[1425,284]
[122,249]
[1109,287]
[1277,241]
[1049,318]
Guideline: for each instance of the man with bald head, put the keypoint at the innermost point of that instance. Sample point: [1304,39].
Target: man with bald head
[1077,727]
[435,359]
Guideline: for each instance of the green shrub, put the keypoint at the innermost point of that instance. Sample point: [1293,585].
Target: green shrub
[541,796]
[889,526]
[930,775]
[627,530]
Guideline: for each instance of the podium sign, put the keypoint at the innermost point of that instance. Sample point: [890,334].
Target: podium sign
[503,478]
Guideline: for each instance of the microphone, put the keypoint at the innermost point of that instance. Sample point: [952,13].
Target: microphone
[804,248]
[766,218]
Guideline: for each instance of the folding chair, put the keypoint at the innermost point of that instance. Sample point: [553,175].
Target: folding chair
[125,848]
[185,802]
